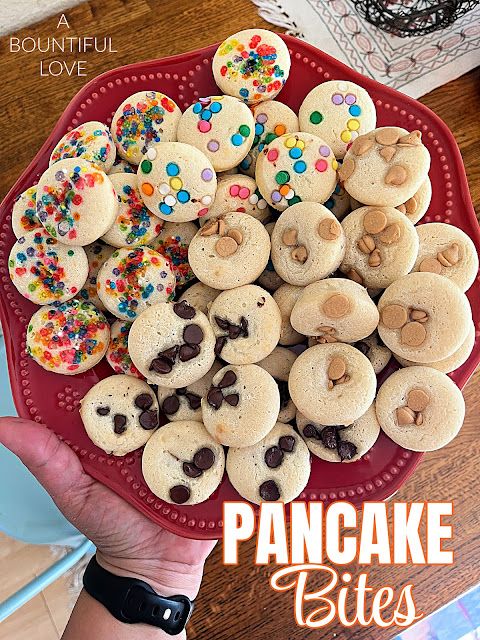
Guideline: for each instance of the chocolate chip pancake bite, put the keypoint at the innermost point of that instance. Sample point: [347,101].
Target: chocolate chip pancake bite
[172,344]
[424,317]
[229,251]
[340,443]
[308,243]
[238,193]
[381,246]
[385,167]
[246,322]
[420,408]
[241,406]
[119,414]
[335,310]
[200,296]
[91,141]
[173,242]
[278,364]
[332,384]
[182,464]
[447,251]
[276,468]
[286,296]
[24,213]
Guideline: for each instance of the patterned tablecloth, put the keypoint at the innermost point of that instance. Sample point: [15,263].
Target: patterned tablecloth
[413,65]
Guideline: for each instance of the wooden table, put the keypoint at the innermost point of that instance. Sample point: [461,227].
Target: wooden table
[237,602]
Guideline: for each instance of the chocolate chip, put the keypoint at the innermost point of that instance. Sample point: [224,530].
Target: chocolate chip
[160,365]
[215,397]
[329,437]
[190,470]
[184,310]
[362,347]
[269,491]
[244,327]
[179,494]
[287,443]
[181,391]
[284,393]
[273,457]
[188,352]
[103,411]
[171,405]
[204,458]
[170,354]
[310,431]
[346,450]
[149,419]
[232,399]
[194,401]
[222,324]
[119,423]
[219,344]
[261,302]
[234,331]
[193,334]
[228,379]
[143,401]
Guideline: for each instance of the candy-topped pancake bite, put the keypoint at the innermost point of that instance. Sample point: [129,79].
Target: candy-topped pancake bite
[91,141]
[238,193]
[97,254]
[252,65]
[76,203]
[117,354]
[142,120]
[68,338]
[24,213]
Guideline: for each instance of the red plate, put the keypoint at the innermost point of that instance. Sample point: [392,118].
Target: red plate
[54,399]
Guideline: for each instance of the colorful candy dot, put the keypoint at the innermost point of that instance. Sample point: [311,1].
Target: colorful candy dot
[213,145]
[197,107]
[337,98]
[316,117]
[284,190]
[176,183]
[259,129]
[300,166]
[207,175]
[350,98]
[280,129]
[206,114]
[282,177]
[164,188]
[234,189]
[170,200]
[215,107]
[204,126]
[324,151]
[244,130]
[272,155]
[244,192]
[295,153]
[165,209]
[146,166]
[269,138]
[353,124]
[183,196]
[173,169]
[345,136]
[294,200]
[207,200]
[262,118]
[321,165]
[237,139]
[354,110]
[147,188]
[276,196]
[334,164]
[290,142]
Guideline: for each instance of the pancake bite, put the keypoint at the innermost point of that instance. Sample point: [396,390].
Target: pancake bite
[91,141]
[68,338]
[173,242]
[278,364]
[238,193]
[200,296]
[97,253]
[252,65]
[24,214]
[132,280]
[117,354]
[142,120]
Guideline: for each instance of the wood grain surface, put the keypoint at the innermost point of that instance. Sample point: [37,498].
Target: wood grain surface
[238,602]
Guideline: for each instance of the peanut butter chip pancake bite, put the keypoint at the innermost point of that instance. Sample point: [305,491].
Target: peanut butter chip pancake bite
[177,182]
[272,119]
[252,65]
[172,344]
[338,111]
[132,280]
[278,364]
[185,403]
[420,408]
[340,443]
[332,384]
[24,213]
[246,322]
[76,203]
[182,464]
[68,338]
[221,127]
[120,414]
[238,193]
[385,167]
[142,120]
[117,354]
[335,310]
[173,242]
[276,468]
[308,243]
[286,296]
[91,141]
[200,296]
[229,251]
[381,245]
[134,223]
[447,251]
[241,406]
[97,254]
[424,317]
[296,167]
[416,206]
[44,270]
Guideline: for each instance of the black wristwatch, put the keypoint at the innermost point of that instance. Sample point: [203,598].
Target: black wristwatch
[132,601]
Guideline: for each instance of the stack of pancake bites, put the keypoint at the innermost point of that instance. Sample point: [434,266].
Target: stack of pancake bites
[247,272]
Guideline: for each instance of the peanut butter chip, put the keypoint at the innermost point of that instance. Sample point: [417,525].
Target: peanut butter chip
[366,244]
[361,145]
[236,234]
[336,306]
[290,237]
[336,369]
[329,229]
[413,334]
[374,221]
[418,315]
[391,234]
[394,316]
[222,228]
[387,153]
[300,254]
[355,276]
[346,170]
[387,135]
[417,400]
[375,259]
[449,257]
[411,205]
[209,228]
[396,175]
[405,416]
[414,137]
[226,247]
[402,208]
[431,265]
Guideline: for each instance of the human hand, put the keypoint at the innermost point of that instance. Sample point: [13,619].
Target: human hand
[128,543]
